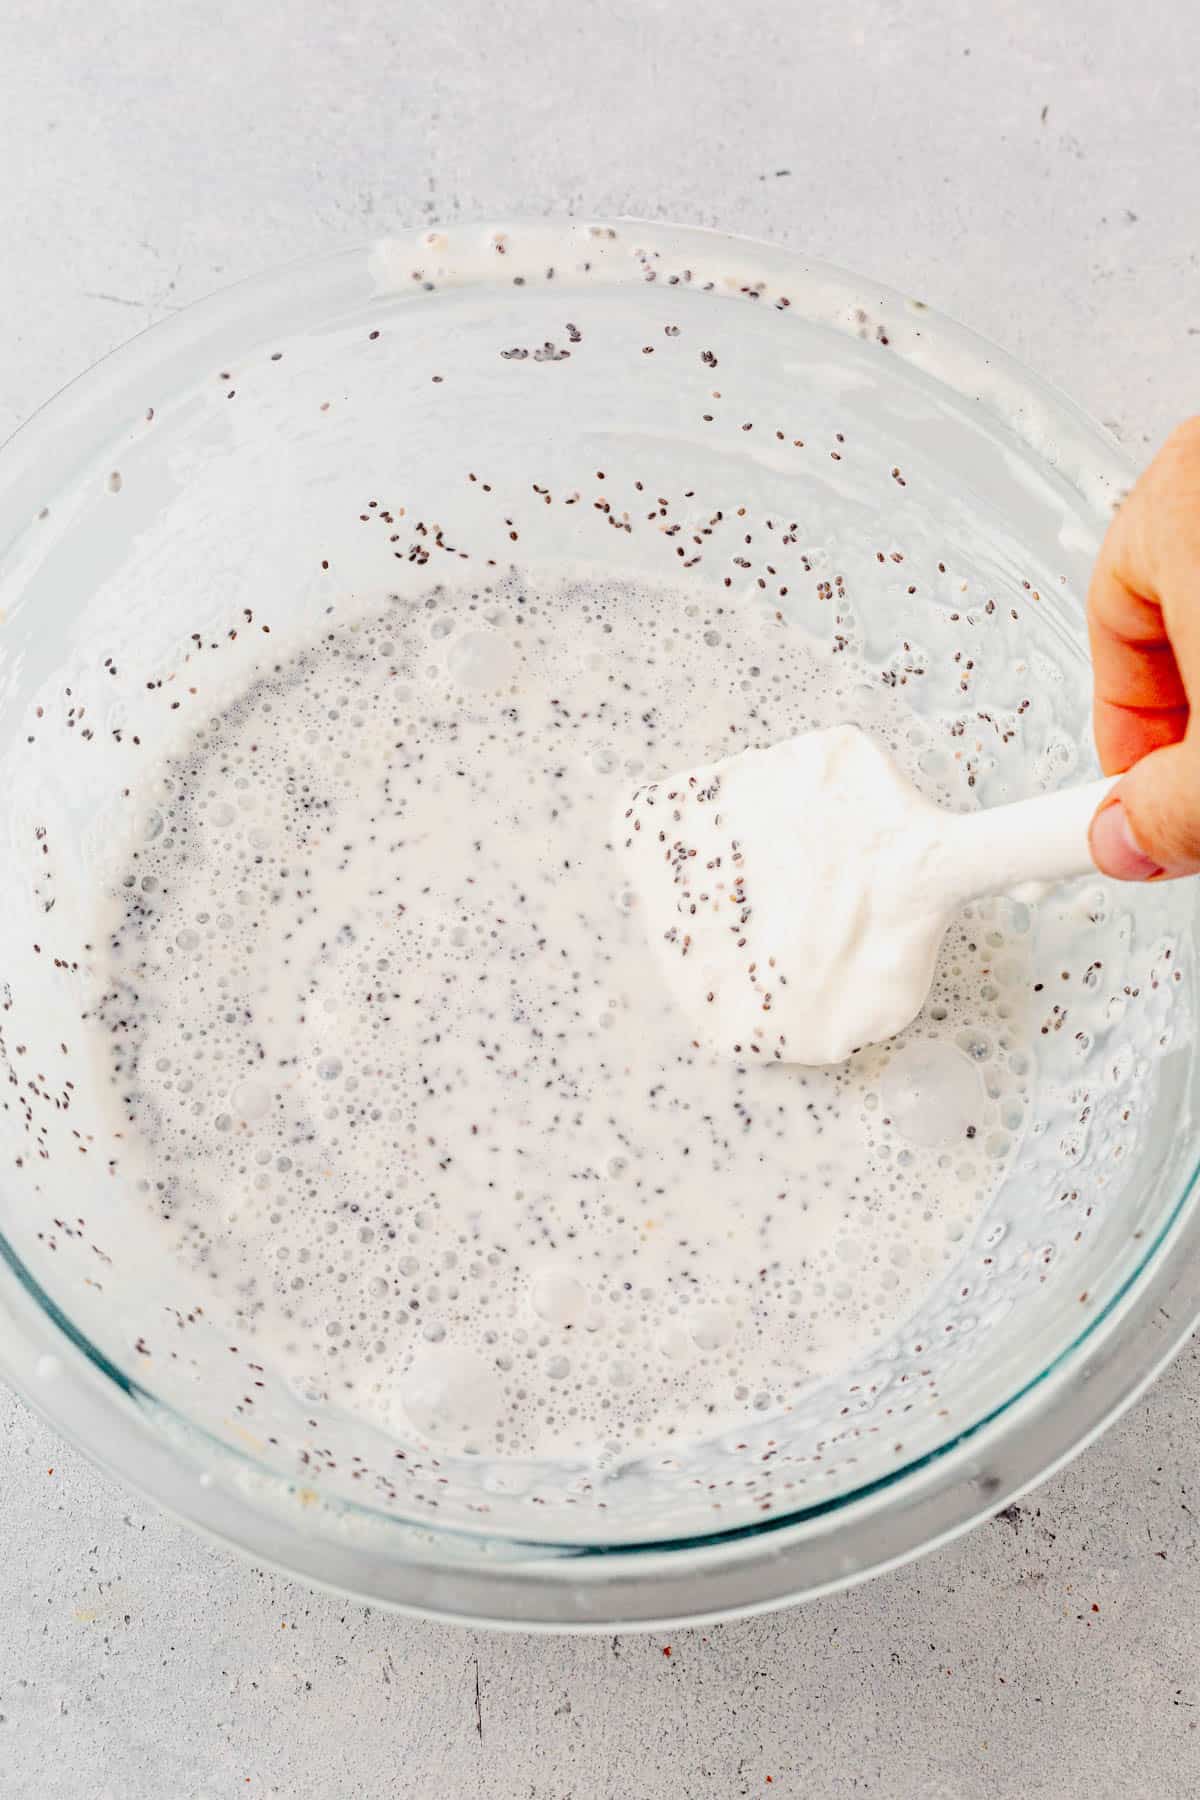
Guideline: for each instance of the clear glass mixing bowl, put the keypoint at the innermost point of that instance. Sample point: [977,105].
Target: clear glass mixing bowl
[213,475]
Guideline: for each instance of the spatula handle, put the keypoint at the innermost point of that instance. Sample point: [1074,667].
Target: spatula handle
[1043,840]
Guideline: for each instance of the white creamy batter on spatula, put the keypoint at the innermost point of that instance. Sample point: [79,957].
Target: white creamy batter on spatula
[790,893]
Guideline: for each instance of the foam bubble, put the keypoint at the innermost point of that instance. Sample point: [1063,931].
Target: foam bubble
[558,1297]
[931,1092]
[482,659]
[452,1395]
[250,1099]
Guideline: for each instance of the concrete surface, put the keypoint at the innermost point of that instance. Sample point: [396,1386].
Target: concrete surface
[1039,179]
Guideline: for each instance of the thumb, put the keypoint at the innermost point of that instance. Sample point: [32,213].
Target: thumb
[1149,826]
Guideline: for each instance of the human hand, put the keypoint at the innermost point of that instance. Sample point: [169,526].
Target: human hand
[1144,624]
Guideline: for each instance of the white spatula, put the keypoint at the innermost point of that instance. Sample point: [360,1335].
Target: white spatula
[798,895]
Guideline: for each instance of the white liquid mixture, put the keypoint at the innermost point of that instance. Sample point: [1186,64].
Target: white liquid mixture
[407,1084]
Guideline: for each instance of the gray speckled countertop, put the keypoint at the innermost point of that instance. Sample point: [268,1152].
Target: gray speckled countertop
[1038,180]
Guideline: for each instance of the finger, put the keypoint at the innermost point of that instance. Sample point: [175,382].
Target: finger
[1149,827]
[1140,700]
[1156,547]
[1125,734]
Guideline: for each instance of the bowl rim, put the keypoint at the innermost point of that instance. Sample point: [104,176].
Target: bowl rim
[534,1584]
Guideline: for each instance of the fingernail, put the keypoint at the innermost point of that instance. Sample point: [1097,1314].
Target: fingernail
[1116,851]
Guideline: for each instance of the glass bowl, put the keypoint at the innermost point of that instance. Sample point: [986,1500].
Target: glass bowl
[211,477]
